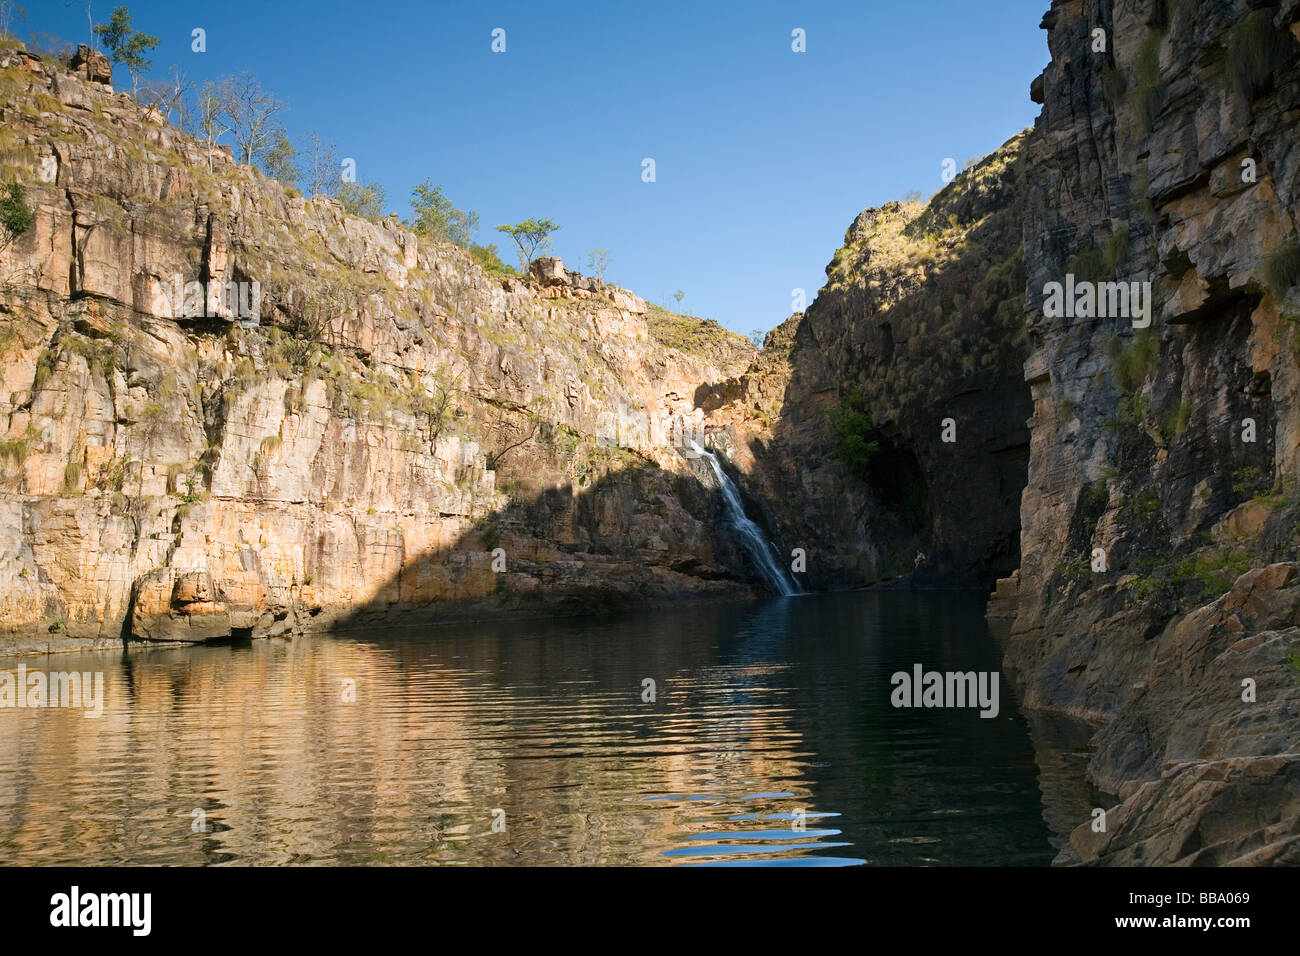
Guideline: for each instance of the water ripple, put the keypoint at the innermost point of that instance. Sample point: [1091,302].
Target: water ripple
[530,743]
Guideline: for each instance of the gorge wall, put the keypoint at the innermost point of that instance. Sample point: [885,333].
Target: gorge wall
[388,419]
[916,346]
[1169,453]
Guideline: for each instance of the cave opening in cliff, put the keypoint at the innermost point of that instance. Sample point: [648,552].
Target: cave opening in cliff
[898,480]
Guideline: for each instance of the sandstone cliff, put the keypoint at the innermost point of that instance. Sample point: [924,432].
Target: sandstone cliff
[1163,461]
[386,418]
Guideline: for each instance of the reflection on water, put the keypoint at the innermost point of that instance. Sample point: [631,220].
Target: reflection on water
[770,740]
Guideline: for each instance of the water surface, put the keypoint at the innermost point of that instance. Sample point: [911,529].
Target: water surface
[771,740]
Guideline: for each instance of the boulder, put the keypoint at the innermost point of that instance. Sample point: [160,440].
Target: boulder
[1196,815]
[627,301]
[178,605]
[549,270]
[1002,602]
[93,65]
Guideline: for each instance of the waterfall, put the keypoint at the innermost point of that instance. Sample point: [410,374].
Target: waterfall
[751,536]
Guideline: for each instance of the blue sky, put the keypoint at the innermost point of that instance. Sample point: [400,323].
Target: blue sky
[763,156]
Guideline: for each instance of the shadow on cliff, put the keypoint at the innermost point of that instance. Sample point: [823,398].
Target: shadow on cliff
[636,537]
[947,344]
[938,341]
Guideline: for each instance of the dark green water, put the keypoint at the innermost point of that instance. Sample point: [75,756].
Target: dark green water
[761,711]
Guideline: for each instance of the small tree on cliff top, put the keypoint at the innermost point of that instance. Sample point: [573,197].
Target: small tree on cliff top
[436,217]
[279,159]
[362,199]
[249,112]
[321,170]
[127,46]
[9,12]
[210,121]
[531,237]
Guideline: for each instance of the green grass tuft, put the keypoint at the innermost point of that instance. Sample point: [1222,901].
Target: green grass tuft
[1257,52]
[1280,269]
[1135,364]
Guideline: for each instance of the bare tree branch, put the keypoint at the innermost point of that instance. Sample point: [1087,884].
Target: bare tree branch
[248,112]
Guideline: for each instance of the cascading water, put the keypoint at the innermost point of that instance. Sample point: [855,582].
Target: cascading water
[751,536]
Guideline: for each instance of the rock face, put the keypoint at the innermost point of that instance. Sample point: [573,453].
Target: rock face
[1163,460]
[549,270]
[173,606]
[916,345]
[1206,776]
[225,408]
[92,65]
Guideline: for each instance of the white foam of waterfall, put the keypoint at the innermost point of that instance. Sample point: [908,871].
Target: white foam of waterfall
[749,534]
